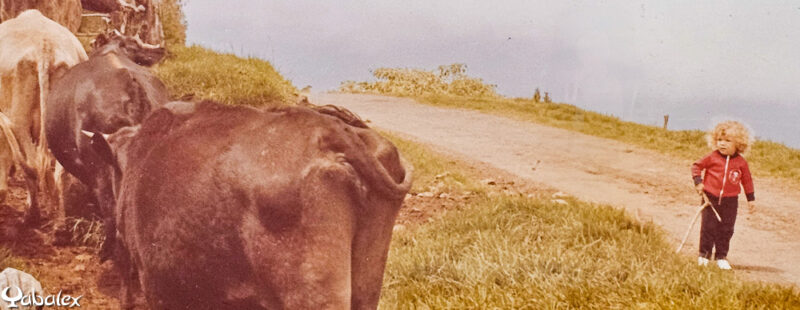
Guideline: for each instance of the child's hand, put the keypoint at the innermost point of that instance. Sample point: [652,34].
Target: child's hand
[699,187]
[751,207]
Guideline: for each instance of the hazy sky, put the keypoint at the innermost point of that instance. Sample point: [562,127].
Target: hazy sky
[694,60]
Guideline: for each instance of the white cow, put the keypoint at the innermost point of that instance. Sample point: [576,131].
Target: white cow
[34,50]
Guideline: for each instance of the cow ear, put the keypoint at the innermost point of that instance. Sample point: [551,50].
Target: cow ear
[102,149]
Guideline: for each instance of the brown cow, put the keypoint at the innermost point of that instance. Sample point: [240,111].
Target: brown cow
[223,207]
[109,91]
[64,12]
[34,50]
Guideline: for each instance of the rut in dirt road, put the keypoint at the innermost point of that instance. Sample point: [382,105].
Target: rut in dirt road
[649,185]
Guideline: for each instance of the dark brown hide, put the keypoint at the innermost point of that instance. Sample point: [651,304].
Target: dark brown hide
[65,12]
[236,208]
[101,95]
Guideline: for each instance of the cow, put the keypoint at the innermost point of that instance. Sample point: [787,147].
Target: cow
[65,12]
[110,91]
[230,207]
[34,52]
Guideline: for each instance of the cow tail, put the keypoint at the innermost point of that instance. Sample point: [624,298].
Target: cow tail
[42,160]
[380,178]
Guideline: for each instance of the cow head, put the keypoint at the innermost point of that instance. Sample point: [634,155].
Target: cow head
[132,47]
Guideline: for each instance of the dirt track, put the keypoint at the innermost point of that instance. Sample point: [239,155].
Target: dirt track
[651,186]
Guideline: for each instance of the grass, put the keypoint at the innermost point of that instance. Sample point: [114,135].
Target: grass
[204,74]
[516,253]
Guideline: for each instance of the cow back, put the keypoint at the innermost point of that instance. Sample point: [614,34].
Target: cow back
[64,12]
[32,36]
[281,208]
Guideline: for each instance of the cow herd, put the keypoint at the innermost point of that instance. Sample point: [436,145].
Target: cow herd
[205,206]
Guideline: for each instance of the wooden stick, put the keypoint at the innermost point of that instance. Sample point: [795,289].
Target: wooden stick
[691,225]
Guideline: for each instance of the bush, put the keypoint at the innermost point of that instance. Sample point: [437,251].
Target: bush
[449,80]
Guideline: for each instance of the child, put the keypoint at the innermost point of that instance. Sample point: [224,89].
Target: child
[726,172]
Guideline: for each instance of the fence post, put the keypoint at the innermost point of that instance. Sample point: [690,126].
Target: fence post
[666,120]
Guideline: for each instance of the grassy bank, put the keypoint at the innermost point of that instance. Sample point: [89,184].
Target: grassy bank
[205,74]
[518,253]
[766,158]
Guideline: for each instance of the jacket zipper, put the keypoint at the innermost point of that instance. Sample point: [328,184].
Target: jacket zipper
[724,179]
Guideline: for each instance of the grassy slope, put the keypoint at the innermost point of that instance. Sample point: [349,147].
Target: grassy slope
[226,78]
[511,252]
[766,158]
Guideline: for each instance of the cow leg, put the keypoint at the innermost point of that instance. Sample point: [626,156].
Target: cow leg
[128,277]
[371,249]
[105,197]
[327,203]
[34,215]
[24,102]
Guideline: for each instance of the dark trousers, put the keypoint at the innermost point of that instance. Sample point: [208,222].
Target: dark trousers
[716,234]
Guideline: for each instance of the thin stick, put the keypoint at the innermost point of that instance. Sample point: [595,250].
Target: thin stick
[705,199]
[691,225]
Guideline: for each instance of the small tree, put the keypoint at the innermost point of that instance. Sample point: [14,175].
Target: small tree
[537,96]
[547,97]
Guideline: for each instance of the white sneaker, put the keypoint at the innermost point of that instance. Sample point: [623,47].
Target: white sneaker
[723,264]
[702,261]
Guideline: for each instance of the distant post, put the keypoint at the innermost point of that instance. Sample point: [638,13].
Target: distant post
[666,120]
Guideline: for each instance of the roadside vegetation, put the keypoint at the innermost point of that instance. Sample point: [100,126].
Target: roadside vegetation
[766,158]
[503,251]
[205,74]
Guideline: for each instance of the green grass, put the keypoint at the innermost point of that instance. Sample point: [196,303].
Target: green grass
[766,158]
[226,78]
[516,253]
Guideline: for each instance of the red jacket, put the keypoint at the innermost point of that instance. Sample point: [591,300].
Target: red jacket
[738,174]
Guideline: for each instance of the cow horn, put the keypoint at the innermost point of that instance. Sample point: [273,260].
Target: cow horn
[144,45]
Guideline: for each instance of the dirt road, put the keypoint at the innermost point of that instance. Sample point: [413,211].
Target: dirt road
[650,185]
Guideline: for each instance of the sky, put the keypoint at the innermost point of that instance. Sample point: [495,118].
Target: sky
[698,61]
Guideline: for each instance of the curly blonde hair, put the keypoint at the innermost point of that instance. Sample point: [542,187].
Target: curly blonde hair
[735,131]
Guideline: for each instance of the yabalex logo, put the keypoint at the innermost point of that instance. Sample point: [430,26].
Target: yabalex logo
[13,295]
